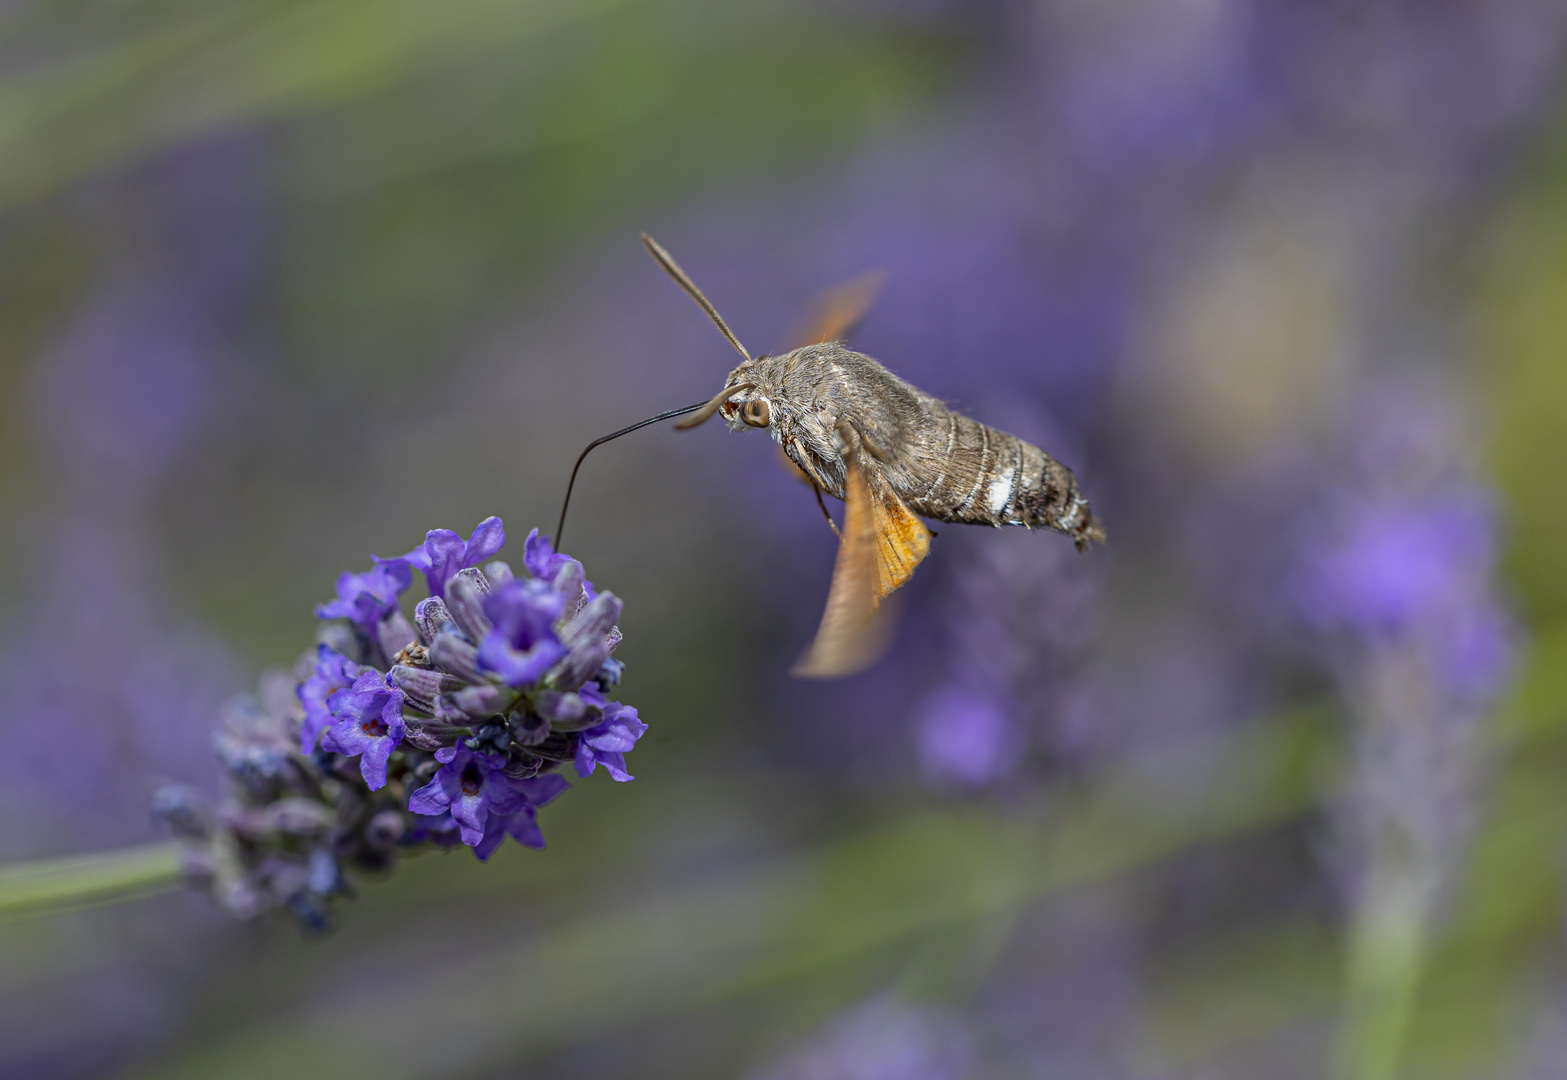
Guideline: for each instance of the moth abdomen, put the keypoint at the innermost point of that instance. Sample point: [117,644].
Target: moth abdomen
[982,476]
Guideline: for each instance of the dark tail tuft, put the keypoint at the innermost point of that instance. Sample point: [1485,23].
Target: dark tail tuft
[1091,531]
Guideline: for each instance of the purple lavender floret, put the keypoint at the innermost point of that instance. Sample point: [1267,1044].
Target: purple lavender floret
[444,552]
[522,824]
[486,804]
[523,646]
[332,671]
[369,724]
[365,599]
[392,737]
[470,787]
[608,742]
[544,563]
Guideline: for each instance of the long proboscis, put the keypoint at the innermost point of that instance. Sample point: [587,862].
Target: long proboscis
[672,268]
[566,502]
[712,405]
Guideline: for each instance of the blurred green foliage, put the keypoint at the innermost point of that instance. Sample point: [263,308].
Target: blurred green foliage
[1519,287]
[881,893]
[1506,926]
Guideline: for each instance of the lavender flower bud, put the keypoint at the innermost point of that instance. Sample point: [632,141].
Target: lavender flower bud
[498,573]
[324,876]
[340,638]
[424,685]
[433,619]
[560,708]
[610,671]
[424,738]
[486,699]
[452,653]
[183,809]
[465,594]
[531,730]
[568,583]
[300,817]
[394,634]
[386,829]
[586,637]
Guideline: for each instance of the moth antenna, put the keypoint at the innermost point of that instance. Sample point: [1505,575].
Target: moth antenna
[672,268]
[712,405]
[561,524]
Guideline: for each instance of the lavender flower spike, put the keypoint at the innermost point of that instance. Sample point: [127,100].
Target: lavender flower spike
[1399,582]
[444,552]
[461,724]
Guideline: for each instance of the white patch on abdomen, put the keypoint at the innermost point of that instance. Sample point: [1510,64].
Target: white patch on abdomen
[1001,491]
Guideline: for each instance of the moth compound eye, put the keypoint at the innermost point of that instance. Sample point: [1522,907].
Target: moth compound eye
[755,412]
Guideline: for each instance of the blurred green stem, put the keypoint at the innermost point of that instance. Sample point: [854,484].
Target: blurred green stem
[52,885]
[1386,954]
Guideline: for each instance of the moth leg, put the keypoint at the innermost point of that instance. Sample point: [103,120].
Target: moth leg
[821,503]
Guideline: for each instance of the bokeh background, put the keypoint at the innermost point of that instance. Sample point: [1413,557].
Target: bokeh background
[1273,786]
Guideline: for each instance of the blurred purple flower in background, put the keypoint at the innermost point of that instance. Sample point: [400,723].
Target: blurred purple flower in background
[966,738]
[131,381]
[1398,579]
[1415,571]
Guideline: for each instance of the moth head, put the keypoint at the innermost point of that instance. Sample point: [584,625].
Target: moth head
[751,401]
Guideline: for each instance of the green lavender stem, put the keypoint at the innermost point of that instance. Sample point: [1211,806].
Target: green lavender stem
[1386,958]
[52,885]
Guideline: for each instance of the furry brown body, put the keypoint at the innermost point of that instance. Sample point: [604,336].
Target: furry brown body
[825,404]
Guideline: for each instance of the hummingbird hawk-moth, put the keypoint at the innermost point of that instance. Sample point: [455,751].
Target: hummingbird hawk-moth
[892,453]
